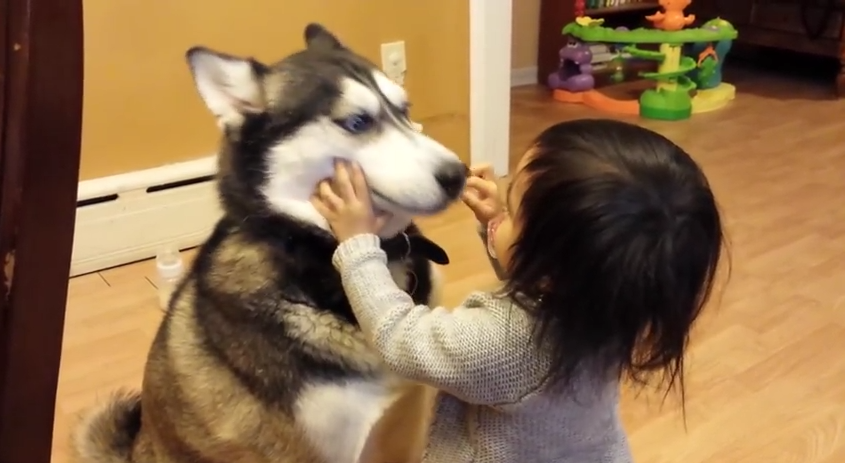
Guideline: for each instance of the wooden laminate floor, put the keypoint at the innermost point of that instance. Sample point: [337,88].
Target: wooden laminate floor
[767,370]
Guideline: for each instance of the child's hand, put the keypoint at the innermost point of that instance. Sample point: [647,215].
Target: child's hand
[345,203]
[482,194]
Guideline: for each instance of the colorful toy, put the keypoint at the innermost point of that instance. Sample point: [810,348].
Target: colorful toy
[690,60]
[672,17]
[575,73]
[710,56]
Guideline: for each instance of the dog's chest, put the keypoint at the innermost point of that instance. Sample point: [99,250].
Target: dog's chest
[337,417]
[400,271]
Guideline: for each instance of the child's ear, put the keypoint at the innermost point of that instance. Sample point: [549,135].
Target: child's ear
[231,87]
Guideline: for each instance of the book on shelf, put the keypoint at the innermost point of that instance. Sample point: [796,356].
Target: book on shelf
[597,4]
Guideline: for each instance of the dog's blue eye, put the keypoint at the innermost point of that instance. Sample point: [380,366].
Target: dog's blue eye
[357,123]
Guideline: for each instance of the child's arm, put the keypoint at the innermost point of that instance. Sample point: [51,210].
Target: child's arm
[480,352]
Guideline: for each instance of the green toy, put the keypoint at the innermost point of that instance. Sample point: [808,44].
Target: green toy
[670,99]
[617,65]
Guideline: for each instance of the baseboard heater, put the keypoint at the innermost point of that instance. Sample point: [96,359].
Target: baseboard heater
[128,217]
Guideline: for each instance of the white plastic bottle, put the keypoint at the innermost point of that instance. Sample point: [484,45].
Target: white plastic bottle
[170,268]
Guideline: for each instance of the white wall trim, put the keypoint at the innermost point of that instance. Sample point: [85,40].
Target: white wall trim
[490,82]
[125,223]
[524,76]
[142,179]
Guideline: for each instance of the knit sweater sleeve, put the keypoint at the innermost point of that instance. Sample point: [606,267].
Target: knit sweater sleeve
[477,352]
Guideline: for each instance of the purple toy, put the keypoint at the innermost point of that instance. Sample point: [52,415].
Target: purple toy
[575,73]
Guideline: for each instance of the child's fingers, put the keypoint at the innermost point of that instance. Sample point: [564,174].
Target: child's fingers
[469,194]
[485,187]
[359,183]
[320,206]
[484,171]
[470,198]
[328,197]
[343,182]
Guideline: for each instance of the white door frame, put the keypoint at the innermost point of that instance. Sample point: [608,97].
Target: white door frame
[490,82]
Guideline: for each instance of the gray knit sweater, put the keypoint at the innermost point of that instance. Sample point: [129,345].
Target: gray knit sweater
[493,406]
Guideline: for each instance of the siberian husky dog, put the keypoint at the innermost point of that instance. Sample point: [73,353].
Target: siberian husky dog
[259,357]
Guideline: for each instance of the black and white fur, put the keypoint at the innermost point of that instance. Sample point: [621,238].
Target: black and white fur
[321,104]
[259,357]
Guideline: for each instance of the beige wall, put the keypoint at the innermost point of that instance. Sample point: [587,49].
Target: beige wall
[141,109]
[526,26]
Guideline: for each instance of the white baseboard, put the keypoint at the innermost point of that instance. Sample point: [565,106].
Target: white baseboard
[119,221]
[524,76]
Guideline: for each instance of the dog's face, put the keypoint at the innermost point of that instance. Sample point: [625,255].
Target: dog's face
[284,125]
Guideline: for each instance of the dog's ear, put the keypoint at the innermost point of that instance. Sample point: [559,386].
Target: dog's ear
[230,86]
[318,37]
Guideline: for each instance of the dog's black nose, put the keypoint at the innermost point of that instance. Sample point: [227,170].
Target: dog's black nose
[452,177]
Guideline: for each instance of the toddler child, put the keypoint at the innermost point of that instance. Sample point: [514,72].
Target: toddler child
[607,241]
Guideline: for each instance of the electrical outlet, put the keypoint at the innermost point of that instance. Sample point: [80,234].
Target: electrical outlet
[393,61]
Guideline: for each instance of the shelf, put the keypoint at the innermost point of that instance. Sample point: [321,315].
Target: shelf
[626,8]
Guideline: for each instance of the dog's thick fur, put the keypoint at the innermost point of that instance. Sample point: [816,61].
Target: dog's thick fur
[259,357]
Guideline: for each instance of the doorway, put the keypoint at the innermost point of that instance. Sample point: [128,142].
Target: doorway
[490,82]
[40,130]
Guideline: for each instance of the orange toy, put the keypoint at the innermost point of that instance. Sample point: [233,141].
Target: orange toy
[709,51]
[597,100]
[672,17]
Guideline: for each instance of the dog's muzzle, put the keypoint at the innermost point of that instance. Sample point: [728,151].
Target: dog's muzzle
[452,177]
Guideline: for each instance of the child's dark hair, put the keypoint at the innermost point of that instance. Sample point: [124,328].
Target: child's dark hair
[619,240]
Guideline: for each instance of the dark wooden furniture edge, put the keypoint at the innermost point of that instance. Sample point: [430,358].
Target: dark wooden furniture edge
[752,33]
[553,16]
[762,37]
[39,164]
